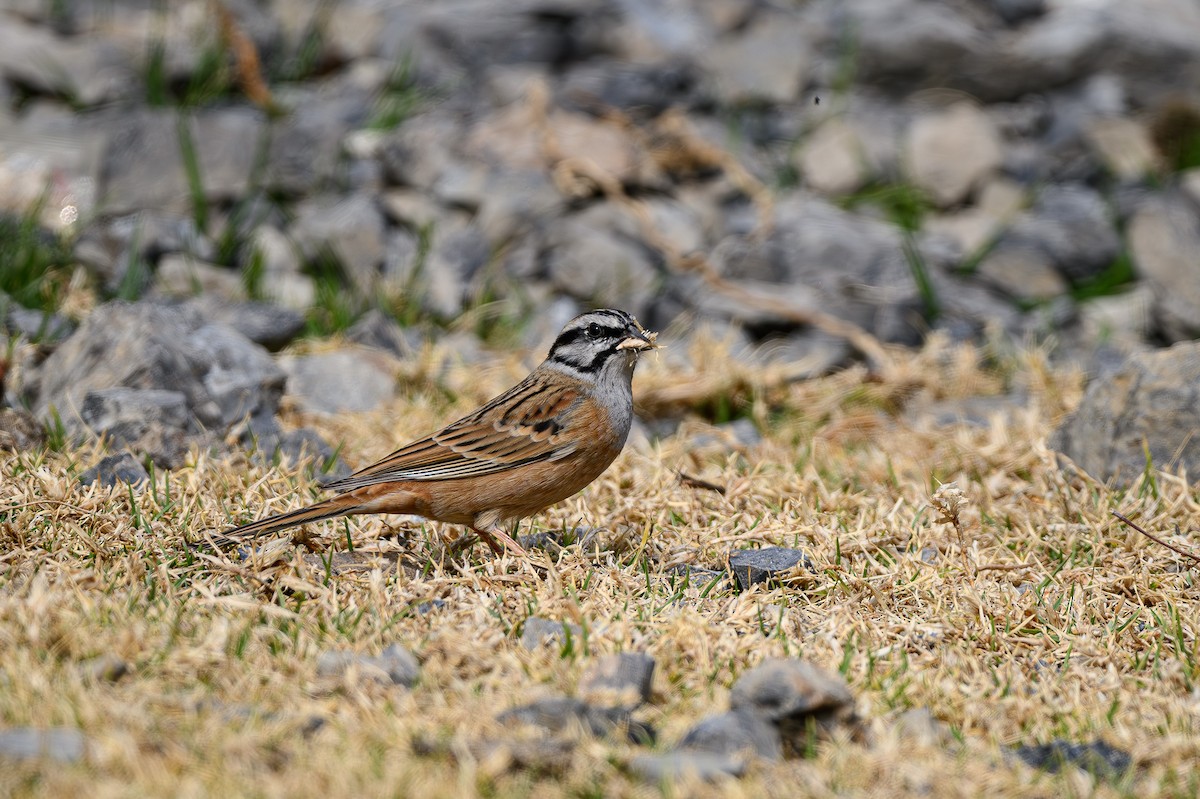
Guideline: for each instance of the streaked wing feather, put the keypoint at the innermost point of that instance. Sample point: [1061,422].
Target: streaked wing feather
[519,427]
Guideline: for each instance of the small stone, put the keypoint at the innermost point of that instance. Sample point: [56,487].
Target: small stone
[952,151]
[591,261]
[609,147]
[554,541]
[832,159]
[1126,316]
[271,326]
[696,576]
[455,256]
[377,329]
[751,566]
[344,380]
[298,446]
[20,430]
[1164,237]
[621,680]
[559,714]
[1144,408]
[919,726]
[1095,757]
[395,666]
[737,732]
[706,766]
[411,208]
[551,755]
[537,631]
[1022,272]
[180,275]
[105,668]
[35,325]
[791,694]
[425,608]
[150,421]
[114,469]
[60,744]
[769,61]
[1125,146]
[351,229]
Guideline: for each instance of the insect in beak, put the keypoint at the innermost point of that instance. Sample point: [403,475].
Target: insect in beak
[640,339]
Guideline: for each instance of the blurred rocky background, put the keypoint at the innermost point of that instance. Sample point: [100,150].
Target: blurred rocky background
[187,187]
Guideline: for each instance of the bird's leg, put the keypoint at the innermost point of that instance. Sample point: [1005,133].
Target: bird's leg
[494,533]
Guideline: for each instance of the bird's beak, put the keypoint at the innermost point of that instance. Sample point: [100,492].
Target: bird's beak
[639,339]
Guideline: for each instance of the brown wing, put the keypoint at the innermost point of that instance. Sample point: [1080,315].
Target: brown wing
[524,425]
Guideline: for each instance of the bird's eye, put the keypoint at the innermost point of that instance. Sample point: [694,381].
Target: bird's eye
[594,330]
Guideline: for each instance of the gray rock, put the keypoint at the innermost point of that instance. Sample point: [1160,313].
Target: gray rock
[706,766]
[179,275]
[1126,316]
[951,152]
[86,70]
[144,166]
[832,159]
[270,326]
[1095,757]
[1023,272]
[806,353]
[306,144]
[351,229]
[648,32]
[378,330]
[151,421]
[121,250]
[967,309]
[34,325]
[621,680]
[735,733]
[1149,404]
[238,376]
[554,541]
[1071,225]
[147,346]
[114,469]
[105,668]
[516,201]
[60,744]
[695,576]
[263,436]
[20,430]
[873,284]
[918,726]
[345,380]
[589,258]
[902,45]
[768,61]
[751,566]
[537,631]
[394,666]
[417,153]
[455,257]
[413,209]
[541,755]
[793,695]
[1164,237]
[640,88]
[559,714]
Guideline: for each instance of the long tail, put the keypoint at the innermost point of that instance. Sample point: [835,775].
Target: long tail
[344,505]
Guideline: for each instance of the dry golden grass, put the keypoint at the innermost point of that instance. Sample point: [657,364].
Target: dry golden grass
[1036,617]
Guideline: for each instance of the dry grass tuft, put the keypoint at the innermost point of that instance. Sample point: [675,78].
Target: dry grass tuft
[1014,608]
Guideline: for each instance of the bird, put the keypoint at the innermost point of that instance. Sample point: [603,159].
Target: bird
[536,444]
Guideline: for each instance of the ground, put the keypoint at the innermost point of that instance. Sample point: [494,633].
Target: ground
[1024,615]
